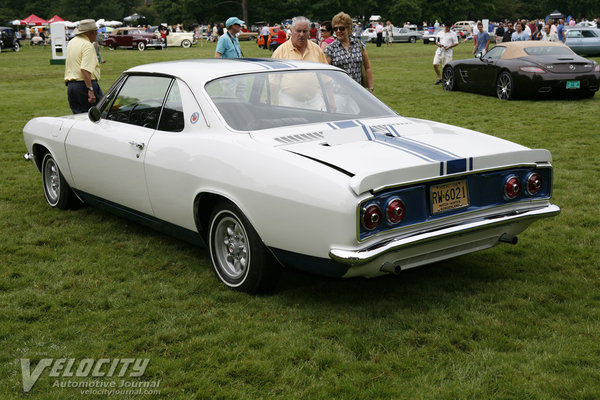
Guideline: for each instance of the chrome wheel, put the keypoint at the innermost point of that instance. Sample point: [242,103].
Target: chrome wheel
[52,178]
[186,44]
[141,46]
[448,79]
[239,257]
[231,247]
[504,86]
[56,190]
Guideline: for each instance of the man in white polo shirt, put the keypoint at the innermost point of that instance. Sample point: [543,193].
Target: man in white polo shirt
[445,41]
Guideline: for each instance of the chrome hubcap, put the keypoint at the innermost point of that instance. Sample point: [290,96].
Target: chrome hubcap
[231,247]
[52,181]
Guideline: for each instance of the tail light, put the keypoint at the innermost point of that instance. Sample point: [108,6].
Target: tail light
[512,187]
[534,183]
[535,70]
[596,67]
[371,217]
[395,210]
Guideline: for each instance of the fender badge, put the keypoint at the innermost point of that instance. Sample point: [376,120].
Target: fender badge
[194,118]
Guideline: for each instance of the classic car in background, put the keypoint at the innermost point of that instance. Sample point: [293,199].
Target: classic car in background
[271,40]
[431,37]
[524,69]
[8,39]
[246,34]
[176,39]
[134,38]
[344,185]
[584,41]
[398,34]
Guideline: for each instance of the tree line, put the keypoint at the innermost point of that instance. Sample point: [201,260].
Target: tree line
[253,11]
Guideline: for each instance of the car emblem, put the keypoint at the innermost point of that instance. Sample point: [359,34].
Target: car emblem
[194,118]
[571,66]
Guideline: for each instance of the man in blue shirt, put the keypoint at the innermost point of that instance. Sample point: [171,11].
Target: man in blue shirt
[228,45]
[482,41]
[519,34]
[561,30]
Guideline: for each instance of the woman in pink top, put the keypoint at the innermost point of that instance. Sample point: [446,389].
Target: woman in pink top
[326,34]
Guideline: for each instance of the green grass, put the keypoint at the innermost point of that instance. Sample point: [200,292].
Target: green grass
[512,322]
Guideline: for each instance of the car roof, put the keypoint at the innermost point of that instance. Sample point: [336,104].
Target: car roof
[200,71]
[517,49]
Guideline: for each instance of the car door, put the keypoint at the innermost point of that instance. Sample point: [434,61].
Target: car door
[106,158]
[574,39]
[590,42]
[401,35]
[484,72]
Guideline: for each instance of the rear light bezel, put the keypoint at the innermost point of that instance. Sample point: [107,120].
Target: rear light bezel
[527,183]
[365,211]
[511,195]
[391,219]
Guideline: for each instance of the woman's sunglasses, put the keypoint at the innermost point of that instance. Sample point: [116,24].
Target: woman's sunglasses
[339,28]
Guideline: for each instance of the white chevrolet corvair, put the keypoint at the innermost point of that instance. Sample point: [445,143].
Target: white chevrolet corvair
[273,163]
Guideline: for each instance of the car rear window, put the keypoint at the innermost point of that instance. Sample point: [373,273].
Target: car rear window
[548,51]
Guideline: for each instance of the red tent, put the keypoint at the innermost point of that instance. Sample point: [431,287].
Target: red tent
[56,18]
[35,20]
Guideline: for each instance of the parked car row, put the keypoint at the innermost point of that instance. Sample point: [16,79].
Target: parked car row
[398,35]
[137,38]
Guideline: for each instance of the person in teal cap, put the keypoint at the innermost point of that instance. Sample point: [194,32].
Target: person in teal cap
[228,45]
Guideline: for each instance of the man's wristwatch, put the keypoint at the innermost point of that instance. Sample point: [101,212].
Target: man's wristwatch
[90,89]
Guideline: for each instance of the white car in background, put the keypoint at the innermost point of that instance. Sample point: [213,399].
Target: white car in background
[176,39]
[274,163]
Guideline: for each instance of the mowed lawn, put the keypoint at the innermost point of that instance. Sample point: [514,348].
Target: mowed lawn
[512,322]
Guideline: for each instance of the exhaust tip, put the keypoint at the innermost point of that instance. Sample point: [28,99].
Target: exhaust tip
[510,239]
[28,156]
[391,268]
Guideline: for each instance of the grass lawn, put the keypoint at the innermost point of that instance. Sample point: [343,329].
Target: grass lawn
[512,322]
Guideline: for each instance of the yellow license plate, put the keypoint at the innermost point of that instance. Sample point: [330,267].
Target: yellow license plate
[449,196]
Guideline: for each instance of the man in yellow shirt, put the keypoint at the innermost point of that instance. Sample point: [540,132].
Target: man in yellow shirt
[299,47]
[82,70]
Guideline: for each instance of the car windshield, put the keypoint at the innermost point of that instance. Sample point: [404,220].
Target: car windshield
[548,51]
[277,99]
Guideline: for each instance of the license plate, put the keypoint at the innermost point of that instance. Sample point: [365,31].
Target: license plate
[449,196]
[573,85]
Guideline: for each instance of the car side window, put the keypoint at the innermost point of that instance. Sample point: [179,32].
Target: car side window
[495,53]
[573,34]
[140,101]
[588,34]
[171,119]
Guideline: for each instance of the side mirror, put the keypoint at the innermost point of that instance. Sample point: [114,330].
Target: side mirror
[94,114]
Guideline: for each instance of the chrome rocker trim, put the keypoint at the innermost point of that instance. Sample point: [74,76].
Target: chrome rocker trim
[358,257]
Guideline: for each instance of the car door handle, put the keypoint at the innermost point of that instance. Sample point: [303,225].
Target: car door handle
[137,144]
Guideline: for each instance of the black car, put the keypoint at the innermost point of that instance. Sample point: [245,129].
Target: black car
[8,39]
[525,69]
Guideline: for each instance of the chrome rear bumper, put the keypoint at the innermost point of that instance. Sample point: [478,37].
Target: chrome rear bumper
[367,255]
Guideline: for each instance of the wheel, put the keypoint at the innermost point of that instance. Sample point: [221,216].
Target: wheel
[239,257]
[412,39]
[17,47]
[449,79]
[56,189]
[141,46]
[505,87]
[186,44]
